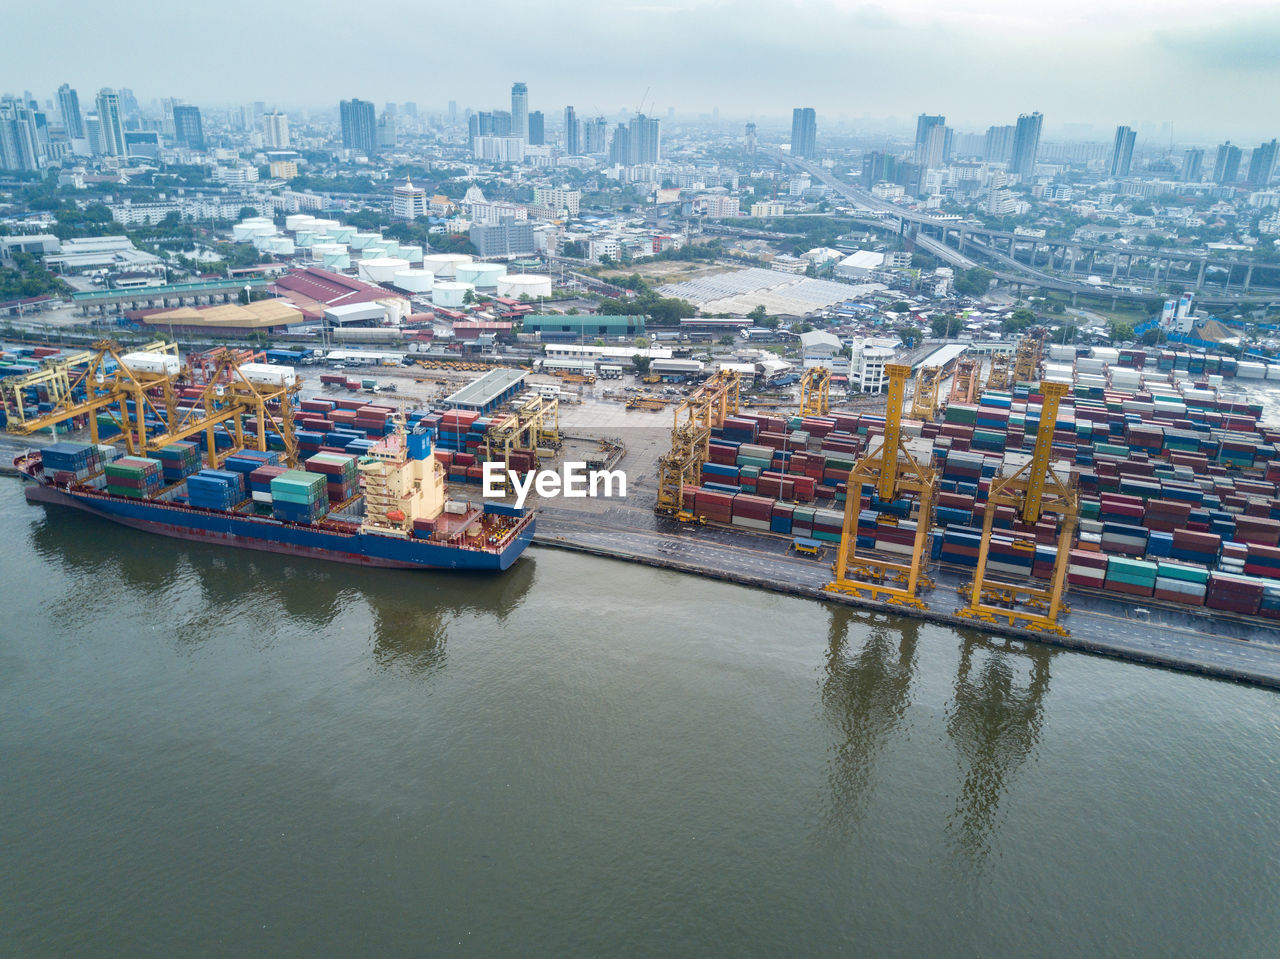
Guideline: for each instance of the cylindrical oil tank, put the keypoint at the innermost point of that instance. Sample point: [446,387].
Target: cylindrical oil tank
[485,276]
[374,251]
[246,230]
[343,234]
[337,261]
[533,285]
[322,224]
[304,238]
[391,248]
[299,221]
[359,241]
[414,281]
[411,253]
[381,269]
[444,264]
[281,246]
[319,250]
[449,293]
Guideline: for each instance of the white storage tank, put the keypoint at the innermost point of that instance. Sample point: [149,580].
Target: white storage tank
[336,261]
[411,253]
[343,234]
[444,264]
[414,281]
[381,269]
[391,248]
[359,241]
[281,246]
[298,221]
[246,230]
[321,224]
[152,363]
[266,374]
[374,251]
[449,293]
[484,276]
[304,238]
[320,250]
[533,285]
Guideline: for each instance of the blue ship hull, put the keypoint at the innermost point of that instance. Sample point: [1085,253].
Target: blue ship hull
[264,533]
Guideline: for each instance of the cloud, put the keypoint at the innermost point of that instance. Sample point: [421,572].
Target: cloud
[1245,46]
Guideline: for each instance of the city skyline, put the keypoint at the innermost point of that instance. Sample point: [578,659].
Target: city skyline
[1061,63]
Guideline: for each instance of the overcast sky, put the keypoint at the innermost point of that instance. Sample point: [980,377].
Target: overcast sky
[1210,67]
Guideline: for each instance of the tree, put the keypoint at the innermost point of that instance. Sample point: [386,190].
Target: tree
[726,340]
[1120,331]
[901,306]
[938,324]
[974,282]
[641,363]
[468,297]
[757,315]
[1018,320]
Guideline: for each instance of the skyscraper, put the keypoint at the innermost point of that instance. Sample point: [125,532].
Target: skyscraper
[1122,153]
[112,126]
[188,130]
[359,126]
[20,147]
[999,144]
[453,112]
[1026,143]
[520,110]
[1262,163]
[1226,169]
[749,144]
[930,136]
[275,129]
[620,148]
[804,133]
[571,144]
[646,137]
[537,129]
[69,107]
[1192,166]
[595,136]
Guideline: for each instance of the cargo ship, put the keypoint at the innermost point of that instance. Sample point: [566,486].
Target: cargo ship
[392,508]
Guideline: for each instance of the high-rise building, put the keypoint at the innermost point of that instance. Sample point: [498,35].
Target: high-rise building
[93,133]
[1192,166]
[453,112]
[69,107]
[878,167]
[620,147]
[1226,169]
[749,143]
[410,109]
[930,141]
[188,130]
[571,143]
[20,147]
[1026,144]
[386,135]
[275,131]
[359,126]
[520,110]
[804,133]
[646,140]
[537,129]
[1262,163]
[408,202]
[1122,153]
[502,124]
[111,123]
[999,144]
[595,136]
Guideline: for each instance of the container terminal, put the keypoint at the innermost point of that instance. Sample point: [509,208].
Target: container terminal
[1125,504]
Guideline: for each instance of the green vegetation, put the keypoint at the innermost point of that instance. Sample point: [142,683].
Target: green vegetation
[28,280]
[663,310]
[974,282]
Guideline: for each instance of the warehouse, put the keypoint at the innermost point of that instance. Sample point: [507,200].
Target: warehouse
[261,316]
[488,392]
[565,327]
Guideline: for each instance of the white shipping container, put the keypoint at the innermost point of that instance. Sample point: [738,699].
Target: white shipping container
[260,496]
[455,508]
[152,363]
[264,374]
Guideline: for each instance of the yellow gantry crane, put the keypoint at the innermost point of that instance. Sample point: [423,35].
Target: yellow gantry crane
[924,400]
[892,468]
[1033,488]
[966,384]
[228,397]
[815,391]
[998,377]
[1026,359]
[707,407]
[54,379]
[534,424]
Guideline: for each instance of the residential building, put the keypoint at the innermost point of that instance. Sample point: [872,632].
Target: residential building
[240,174]
[142,143]
[767,208]
[110,123]
[408,202]
[1026,144]
[508,237]
[867,368]
[749,143]
[520,110]
[999,144]
[557,198]
[571,145]
[19,141]
[930,141]
[878,167]
[1226,169]
[188,130]
[69,108]
[359,126]
[537,129]
[499,149]
[645,140]
[719,205]
[804,133]
[1192,166]
[620,147]
[275,131]
[595,136]
[1262,163]
[283,169]
[1122,153]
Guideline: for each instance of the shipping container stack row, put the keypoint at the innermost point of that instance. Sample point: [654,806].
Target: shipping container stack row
[71,462]
[298,496]
[135,476]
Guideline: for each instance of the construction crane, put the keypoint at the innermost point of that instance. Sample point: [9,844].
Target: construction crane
[924,400]
[694,419]
[1026,359]
[966,384]
[228,398]
[891,468]
[535,424]
[815,391]
[1032,487]
[998,377]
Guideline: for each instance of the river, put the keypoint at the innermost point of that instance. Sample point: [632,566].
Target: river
[215,752]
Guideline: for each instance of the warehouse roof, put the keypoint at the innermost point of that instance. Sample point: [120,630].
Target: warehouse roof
[487,389]
[261,314]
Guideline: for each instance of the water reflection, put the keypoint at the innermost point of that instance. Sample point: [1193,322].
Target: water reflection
[196,591]
[866,691]
[994,721]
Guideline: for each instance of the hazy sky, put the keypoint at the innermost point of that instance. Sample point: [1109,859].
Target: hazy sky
[1211,67]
